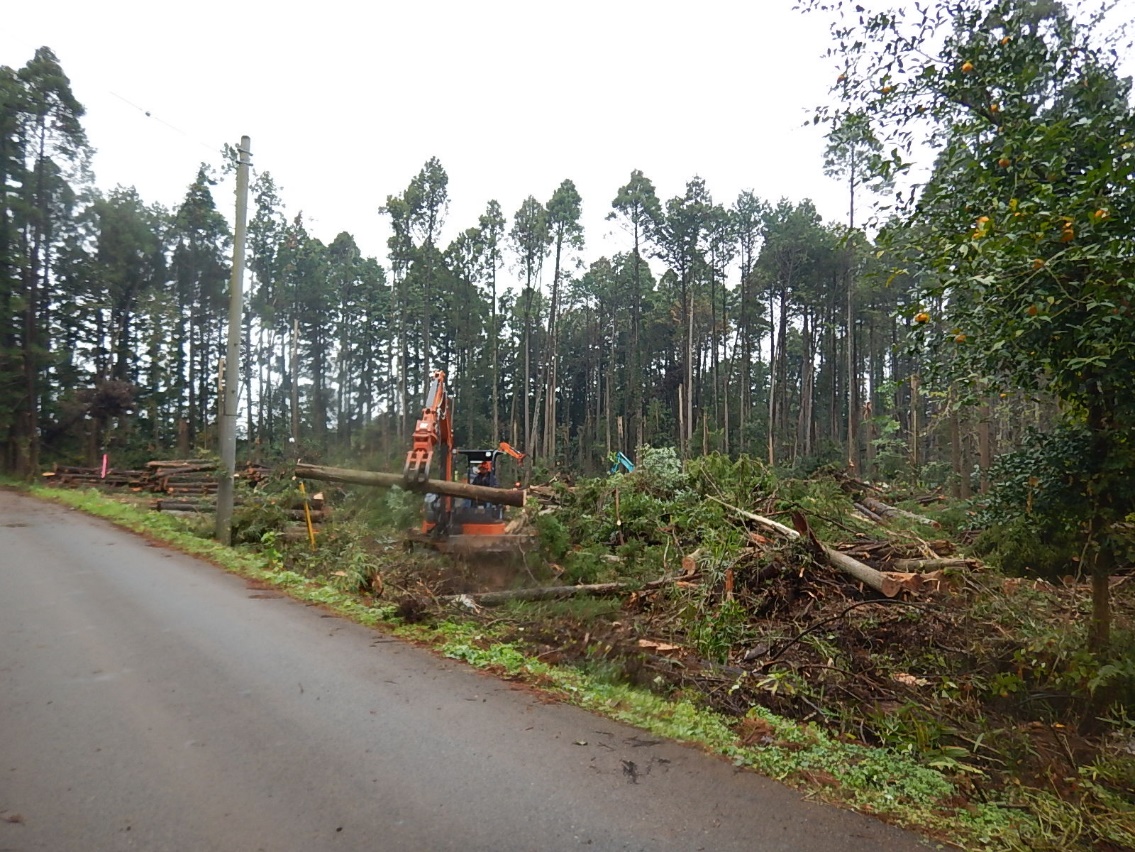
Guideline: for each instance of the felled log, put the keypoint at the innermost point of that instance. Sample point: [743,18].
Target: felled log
[867,513]
[112,479]
[549,593]
[70,468]
[193,472]
[481,493]
[852,567]
[881,508]
[928,564]
[191,489]
[850,483]
[174,463]
[182,506]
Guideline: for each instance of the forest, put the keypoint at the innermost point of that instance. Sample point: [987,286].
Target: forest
[116,310]
[978,330]
[749,326]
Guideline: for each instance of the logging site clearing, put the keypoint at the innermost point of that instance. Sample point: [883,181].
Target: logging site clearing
[869,643]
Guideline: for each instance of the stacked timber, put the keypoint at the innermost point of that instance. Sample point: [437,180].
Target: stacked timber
[196,476]
[206,504]
[72,476]
[253,473]
[184,476]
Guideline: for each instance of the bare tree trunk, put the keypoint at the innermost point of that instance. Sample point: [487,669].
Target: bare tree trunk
[955,451]
[295,383]
[682,445]
[852,379]
[689,399]
[915,437]
[804,427]
[984,444]
[496,361]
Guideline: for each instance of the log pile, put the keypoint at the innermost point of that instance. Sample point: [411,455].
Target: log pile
[184,477]
[73,476]
[204,504]
[196,476]
[188,476]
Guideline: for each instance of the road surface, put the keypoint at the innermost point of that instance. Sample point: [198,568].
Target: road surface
[151,701]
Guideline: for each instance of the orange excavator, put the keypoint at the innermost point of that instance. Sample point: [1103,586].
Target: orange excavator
[449,522]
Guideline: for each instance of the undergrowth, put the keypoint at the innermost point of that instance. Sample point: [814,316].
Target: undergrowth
[975,714]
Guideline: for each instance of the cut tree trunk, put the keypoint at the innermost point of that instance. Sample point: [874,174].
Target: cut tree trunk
[548,593]
[881,508]
[867,513]
[907,565]
[482,493]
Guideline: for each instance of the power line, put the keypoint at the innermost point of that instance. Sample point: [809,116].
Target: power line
[211,148]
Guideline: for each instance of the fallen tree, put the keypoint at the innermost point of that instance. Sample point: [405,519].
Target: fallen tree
[884,510]
[480,493]
[550,593]
[852,567]
[931,564]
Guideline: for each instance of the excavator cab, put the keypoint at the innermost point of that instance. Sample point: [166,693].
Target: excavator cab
[480,469]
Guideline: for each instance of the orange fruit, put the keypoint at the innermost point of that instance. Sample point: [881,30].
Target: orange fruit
[1004,162]
[967,67]
[1033,310]
[922,317]
[1038,263]
[1067,234]
[960,338]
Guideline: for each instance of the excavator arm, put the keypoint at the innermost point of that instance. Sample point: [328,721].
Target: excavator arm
[505,447]
[434,428]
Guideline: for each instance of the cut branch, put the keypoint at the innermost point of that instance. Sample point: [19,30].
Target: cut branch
[852,567]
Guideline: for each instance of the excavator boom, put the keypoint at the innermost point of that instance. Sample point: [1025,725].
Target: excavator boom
[434,428]
[506,447]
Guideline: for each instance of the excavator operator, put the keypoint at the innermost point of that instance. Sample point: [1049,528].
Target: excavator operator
[485,475]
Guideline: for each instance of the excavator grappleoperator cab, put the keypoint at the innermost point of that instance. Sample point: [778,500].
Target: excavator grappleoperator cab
[481,469]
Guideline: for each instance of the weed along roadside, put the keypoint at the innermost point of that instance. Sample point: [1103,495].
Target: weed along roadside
[841,638]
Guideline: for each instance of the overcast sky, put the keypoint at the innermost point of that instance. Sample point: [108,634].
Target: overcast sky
[345,102]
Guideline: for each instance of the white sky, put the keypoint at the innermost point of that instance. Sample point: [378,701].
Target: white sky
[345,102]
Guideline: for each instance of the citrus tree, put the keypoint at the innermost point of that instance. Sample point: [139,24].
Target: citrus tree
[1021,236]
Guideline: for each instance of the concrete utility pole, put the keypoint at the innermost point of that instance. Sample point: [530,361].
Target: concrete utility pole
[230,394]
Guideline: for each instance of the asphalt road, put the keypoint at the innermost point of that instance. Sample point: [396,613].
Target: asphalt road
[151,701]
